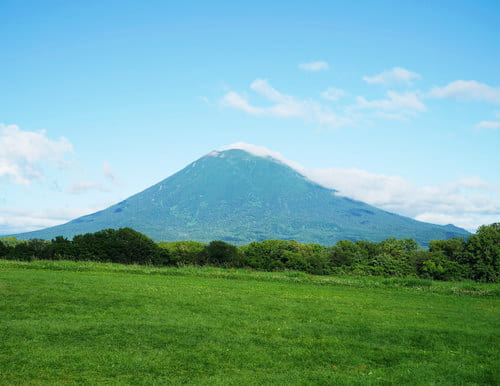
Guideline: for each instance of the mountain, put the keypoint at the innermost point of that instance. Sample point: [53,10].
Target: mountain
[238,197]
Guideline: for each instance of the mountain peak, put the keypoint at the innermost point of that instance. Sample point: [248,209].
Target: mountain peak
[245,193]
[264,152]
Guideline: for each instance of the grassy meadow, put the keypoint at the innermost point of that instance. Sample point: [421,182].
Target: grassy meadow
[67,322]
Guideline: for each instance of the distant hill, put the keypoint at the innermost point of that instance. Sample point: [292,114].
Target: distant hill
[238,197]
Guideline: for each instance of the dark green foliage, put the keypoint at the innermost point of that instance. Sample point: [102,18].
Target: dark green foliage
[62,248]
[399,247]
[221,254]
[267,255]
[31,250]
[124,245]
[476,258]
[367,249]
[183,252]
[238,198]
[482,253]
[3,249]
[345,253]
[11,241]
[439,268]
[315,257]
[453,248]
[391,265]
[275,255]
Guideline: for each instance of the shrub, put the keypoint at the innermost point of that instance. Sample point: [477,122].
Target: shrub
[62,249]
[452,249]
[482,253]
[344,253]
[477,258]
[4,250]
[386,265]
[221,254]
[30,250]
[124,245]
[295,261]
[268,255]
[183,252]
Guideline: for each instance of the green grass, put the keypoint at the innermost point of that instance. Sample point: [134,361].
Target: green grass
[73,323]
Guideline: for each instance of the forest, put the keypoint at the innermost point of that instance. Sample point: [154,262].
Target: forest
[476,257]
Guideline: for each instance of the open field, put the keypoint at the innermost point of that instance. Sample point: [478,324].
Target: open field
[67,322]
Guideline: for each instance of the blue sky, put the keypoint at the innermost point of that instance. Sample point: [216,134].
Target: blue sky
[397,104]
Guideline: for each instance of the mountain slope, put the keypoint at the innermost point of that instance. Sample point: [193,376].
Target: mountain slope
[239,197]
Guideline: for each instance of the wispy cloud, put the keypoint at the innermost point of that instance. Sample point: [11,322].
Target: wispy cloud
[395,75]
[237,101]
[24,153]
[109,174]
[395,106]
[284,106]
[15,220]
[333,94]
[85,186]
[467,90]
[22,220]
[314,66]
[492,125]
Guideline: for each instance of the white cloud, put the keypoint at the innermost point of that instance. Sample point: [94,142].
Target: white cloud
[235,100]
[467,202]
[467,90]
[395,106]
[285,106]
[262,87]
[24,153]
[488,125]
[333,94]
[470,202]
[17,220]
[395,75]
[314,66]
[108,173]
[84,186]
[470,222]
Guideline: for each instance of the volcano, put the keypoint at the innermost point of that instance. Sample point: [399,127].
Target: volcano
[239,197]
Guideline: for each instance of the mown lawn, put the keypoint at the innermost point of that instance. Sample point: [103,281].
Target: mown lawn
[68,323]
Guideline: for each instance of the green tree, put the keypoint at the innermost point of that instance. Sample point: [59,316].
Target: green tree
[221,254]
[344,253]
[482,253]
[453,248]
[269,255]
[124,245]
[3,249]
[62,248]
[398,248]
[183,252]
[34,249]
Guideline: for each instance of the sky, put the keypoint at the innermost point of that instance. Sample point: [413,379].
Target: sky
[393,103]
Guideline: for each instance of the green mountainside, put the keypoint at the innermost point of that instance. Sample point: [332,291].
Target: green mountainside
[238,197]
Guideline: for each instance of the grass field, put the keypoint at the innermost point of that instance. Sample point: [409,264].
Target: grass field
[66,323]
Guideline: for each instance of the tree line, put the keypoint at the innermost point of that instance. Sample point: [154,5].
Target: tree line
[476,257]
